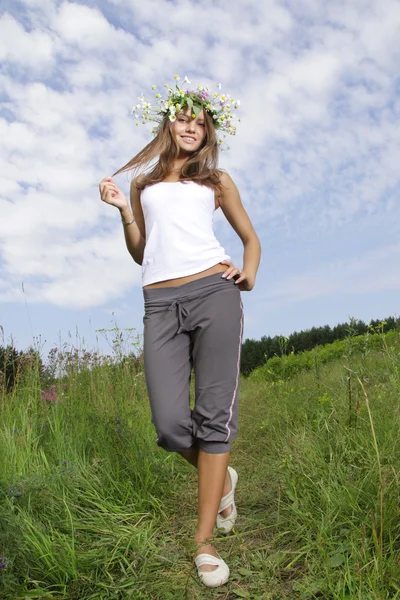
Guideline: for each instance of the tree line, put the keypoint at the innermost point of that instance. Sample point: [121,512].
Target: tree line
[256,352]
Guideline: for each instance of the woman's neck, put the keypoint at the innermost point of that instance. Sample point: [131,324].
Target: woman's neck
[178,164]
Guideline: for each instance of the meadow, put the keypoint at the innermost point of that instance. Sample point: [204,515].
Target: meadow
[92,509]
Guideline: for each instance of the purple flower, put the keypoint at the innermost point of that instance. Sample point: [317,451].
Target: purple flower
[118,420]
[3,562]
[49,394]
[64,462]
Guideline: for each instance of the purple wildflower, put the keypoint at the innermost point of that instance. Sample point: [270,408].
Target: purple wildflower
[49,394]
[64,462]
[3,562]
[118,420]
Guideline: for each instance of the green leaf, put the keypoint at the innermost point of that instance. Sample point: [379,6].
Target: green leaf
[336,560]
[197,109]
[241,593]
[189,102]
[245,572]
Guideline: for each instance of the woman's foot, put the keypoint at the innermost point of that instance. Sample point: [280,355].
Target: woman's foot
[227,489]
[207,549]
[227,512]
[211,568]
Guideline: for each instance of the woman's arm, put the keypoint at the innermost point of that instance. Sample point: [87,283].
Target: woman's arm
[135,234]
[134,239]
[238,218]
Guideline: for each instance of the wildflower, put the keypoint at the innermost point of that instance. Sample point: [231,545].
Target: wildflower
[64,463]
[118,420]
[219,86]
[3,562]
[49,394]
[153,87]
[219,106]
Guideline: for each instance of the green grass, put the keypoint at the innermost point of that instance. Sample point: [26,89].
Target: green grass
[91,508]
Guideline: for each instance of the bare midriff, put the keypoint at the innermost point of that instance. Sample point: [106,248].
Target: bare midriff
[181,280]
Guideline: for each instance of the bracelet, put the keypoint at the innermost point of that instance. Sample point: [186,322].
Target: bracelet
[126,223]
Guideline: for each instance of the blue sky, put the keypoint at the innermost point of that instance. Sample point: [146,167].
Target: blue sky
[316,157]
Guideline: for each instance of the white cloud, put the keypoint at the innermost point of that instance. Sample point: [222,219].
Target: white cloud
[31,51]
[87,28]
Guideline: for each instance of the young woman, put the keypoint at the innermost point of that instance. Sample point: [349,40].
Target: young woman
[193,310]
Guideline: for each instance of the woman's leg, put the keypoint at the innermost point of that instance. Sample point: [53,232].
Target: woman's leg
[192,457]
[212,469]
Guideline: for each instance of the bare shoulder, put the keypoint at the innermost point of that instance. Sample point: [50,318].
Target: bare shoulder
[228,189]
[225,179]
[136,182]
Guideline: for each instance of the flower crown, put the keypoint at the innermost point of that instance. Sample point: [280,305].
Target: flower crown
[219,106]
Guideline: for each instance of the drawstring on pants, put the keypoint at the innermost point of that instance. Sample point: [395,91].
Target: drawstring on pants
[182,313]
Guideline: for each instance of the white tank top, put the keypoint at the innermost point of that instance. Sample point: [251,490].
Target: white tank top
[180,240]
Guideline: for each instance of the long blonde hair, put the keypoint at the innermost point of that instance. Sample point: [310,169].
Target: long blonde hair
[200,167]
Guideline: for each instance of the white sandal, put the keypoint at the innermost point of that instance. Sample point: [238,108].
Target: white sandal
[228,522]
[215,578]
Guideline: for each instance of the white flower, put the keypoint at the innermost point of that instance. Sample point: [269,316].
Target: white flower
[172,118]
[219,86]
[177,77]
[186,80]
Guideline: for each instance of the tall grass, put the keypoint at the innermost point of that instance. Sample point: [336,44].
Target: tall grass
[91,508]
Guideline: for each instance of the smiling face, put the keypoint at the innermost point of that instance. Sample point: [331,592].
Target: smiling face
[188,132]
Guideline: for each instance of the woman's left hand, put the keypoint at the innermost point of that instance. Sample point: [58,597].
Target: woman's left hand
[244,283]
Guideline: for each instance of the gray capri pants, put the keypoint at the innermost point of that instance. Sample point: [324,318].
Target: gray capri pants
[198,324]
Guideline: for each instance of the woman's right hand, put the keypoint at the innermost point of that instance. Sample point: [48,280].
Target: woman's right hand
[111,194]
